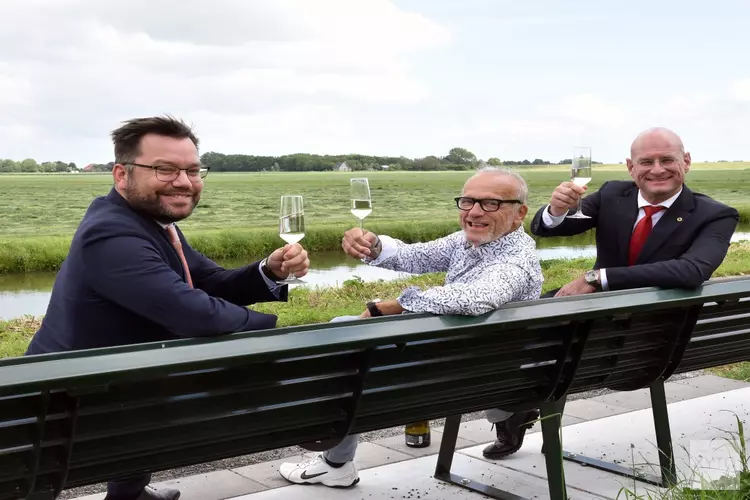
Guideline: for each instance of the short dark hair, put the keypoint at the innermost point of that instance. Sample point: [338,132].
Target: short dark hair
[127,138]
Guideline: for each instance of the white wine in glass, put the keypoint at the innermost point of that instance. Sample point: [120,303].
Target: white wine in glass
[291,226]
[580,175]
[359,193]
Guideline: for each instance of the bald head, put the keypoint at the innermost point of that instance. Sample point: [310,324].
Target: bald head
[658,164]
[656,138]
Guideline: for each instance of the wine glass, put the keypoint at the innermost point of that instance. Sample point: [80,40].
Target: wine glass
[291,226]
[359,192]
[580,174]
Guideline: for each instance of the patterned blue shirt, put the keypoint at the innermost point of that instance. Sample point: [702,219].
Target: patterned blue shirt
[478,280]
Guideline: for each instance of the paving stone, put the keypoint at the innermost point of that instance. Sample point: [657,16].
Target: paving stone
[588,409]
[218,485]
[397,443]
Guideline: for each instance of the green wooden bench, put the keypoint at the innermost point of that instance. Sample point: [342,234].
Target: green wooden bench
[78,418]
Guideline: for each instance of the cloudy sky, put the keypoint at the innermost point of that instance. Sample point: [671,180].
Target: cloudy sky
[395,77]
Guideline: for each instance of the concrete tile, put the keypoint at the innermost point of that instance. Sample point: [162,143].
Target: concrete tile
[217,485]
[711,384]
[267,473]
[397,443]
[413,479]
[368,455]
[629,438]
[632,400]
[97,496]
[681,392]
[374,454]
[588,409]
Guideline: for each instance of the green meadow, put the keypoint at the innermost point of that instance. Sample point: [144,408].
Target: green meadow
[238,213]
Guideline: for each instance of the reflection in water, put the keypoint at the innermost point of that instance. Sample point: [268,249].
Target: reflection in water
[22,294]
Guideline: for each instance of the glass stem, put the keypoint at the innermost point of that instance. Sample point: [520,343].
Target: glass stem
[579,204]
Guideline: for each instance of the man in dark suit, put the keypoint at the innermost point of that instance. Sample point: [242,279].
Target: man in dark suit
[651,231]
[131,277]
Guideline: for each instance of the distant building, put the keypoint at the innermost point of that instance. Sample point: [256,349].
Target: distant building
[88,168]
[384,167]
[341,167]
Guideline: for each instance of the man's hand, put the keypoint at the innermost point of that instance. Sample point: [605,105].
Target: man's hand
[289,258]
[564,197]
[359,244]
[387,307]
[576,287]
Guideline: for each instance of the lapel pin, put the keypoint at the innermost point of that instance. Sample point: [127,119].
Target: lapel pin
[679,219]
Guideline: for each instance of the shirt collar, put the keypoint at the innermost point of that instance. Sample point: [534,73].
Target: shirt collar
[496,241]
[666,203]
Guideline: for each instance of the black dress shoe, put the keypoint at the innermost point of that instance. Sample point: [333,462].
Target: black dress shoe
[510,435]
[150,493]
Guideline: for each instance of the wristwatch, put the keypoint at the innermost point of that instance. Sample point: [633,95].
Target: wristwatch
[592,278]
[372,306]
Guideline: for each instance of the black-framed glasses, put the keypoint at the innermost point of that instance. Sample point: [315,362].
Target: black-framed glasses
[168,173]
[488,204]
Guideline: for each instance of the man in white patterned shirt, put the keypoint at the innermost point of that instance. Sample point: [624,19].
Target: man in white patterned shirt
[490,262]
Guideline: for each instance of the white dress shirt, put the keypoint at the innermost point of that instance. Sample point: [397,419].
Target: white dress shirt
[551,221]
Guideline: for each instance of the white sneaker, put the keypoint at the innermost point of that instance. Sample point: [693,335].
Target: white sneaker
[316,471]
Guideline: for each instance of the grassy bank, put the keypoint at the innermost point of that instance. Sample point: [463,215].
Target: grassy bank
[320,305]
[241,209]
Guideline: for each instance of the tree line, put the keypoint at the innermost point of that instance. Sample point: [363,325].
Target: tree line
[456,159]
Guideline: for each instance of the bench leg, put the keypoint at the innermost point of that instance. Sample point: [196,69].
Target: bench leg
[668,475]
[445,461]
[663,434]
[551,414]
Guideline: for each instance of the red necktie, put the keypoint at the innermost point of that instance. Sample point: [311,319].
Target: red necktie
[175,240]
[641,232]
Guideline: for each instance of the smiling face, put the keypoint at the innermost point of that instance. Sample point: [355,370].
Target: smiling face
[169,201]
[658,164]
[481,227]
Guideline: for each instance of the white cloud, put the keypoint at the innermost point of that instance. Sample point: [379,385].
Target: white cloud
[73,69]
[740,89]
[589,110]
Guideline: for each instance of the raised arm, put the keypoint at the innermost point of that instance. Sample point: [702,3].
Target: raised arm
[416,258]
[242,286]
[691,269]
[500,284]
[129,271]
[547,223]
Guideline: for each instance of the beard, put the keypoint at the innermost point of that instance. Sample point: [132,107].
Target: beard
[152,204]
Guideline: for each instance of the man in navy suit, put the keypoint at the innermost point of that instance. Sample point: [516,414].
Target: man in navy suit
[651,231]
[131,277]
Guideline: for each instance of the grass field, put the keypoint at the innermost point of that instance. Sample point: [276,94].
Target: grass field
[238,214]
[54,204]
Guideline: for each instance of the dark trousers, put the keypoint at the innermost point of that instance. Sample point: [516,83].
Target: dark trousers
[127,489]
[499,415]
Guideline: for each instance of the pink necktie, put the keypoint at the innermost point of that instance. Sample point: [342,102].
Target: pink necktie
[175,240]
[641,232]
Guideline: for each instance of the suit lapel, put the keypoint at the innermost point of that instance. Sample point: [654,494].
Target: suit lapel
[626,212]
[673,217]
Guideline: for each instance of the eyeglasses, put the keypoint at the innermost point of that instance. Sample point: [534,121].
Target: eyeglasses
[487,204]
[168,173]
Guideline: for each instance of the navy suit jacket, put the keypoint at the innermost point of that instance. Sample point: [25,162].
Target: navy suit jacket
[685,247]
[123,283]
